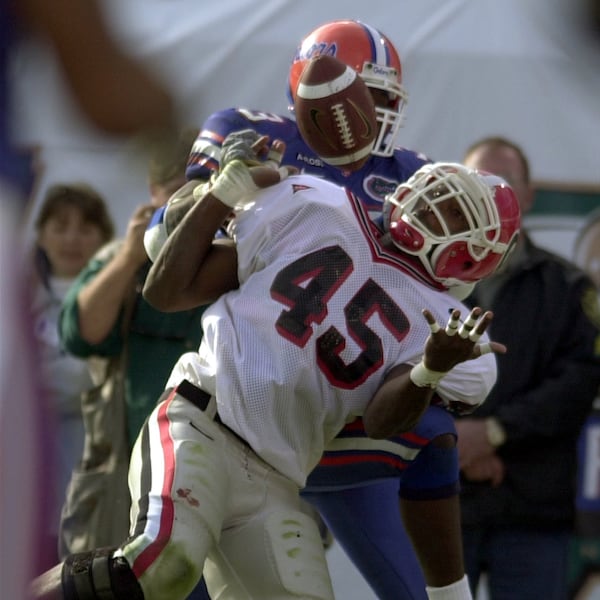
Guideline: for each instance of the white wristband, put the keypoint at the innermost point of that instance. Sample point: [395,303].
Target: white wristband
[234,185]
[421,376]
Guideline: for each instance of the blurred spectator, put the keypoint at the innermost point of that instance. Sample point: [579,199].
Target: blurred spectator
[115,92]
[92,310]
[586,248]
[90,323]
[518,450]
[584,565]
[120,96]
[72,223]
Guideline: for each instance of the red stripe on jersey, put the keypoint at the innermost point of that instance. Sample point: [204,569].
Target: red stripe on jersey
[211,135]
[336,459]
[167,512]
[358,427]
[402,261]
[412,437]
[200,160]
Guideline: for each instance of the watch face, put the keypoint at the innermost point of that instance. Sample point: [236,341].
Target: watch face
[495,432]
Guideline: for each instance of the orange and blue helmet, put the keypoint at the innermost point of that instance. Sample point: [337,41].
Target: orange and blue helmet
[373,56]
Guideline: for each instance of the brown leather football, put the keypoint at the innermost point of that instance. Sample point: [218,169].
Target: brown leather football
[335,113]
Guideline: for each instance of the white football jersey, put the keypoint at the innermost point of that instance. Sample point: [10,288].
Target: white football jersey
[321,315]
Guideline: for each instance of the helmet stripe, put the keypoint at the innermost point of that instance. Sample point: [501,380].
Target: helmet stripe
[379,52]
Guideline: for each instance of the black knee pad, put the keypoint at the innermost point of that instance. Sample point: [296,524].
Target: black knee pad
[96,575]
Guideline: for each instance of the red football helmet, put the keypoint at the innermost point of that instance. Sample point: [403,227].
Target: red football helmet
[373,57]
[461,223]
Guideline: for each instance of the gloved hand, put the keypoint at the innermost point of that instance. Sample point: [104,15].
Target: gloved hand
[238,145]
[242,174]
[251,148]
[237,184]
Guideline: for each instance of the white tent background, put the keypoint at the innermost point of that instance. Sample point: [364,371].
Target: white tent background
[520,68]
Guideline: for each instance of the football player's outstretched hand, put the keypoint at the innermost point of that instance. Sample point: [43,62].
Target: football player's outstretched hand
[459,340]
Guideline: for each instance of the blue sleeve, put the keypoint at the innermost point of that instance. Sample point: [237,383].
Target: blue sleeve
[206,151]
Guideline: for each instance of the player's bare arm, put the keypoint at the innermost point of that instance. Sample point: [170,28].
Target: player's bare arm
[397,405]
[193,268]
[407,390]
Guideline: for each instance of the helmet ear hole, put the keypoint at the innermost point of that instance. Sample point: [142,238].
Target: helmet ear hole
[453,262]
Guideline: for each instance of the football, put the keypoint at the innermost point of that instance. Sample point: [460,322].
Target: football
[335,113]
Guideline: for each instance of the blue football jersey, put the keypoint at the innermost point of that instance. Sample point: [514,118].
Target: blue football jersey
[371,183]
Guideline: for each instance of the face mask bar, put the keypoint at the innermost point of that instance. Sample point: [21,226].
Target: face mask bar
[459,222]
[442,187]
[390,123]
[390,119]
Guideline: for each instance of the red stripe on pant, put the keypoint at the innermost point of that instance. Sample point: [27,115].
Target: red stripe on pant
[167,513]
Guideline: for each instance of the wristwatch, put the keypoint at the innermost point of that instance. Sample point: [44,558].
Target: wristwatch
[496,434]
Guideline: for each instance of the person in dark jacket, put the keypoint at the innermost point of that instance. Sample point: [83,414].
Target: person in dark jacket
[518,451]
[584,560]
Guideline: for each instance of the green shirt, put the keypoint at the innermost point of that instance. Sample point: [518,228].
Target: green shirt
[156,340]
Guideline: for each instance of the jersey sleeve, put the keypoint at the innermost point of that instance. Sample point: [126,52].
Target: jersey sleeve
[468,384]
[206,151]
